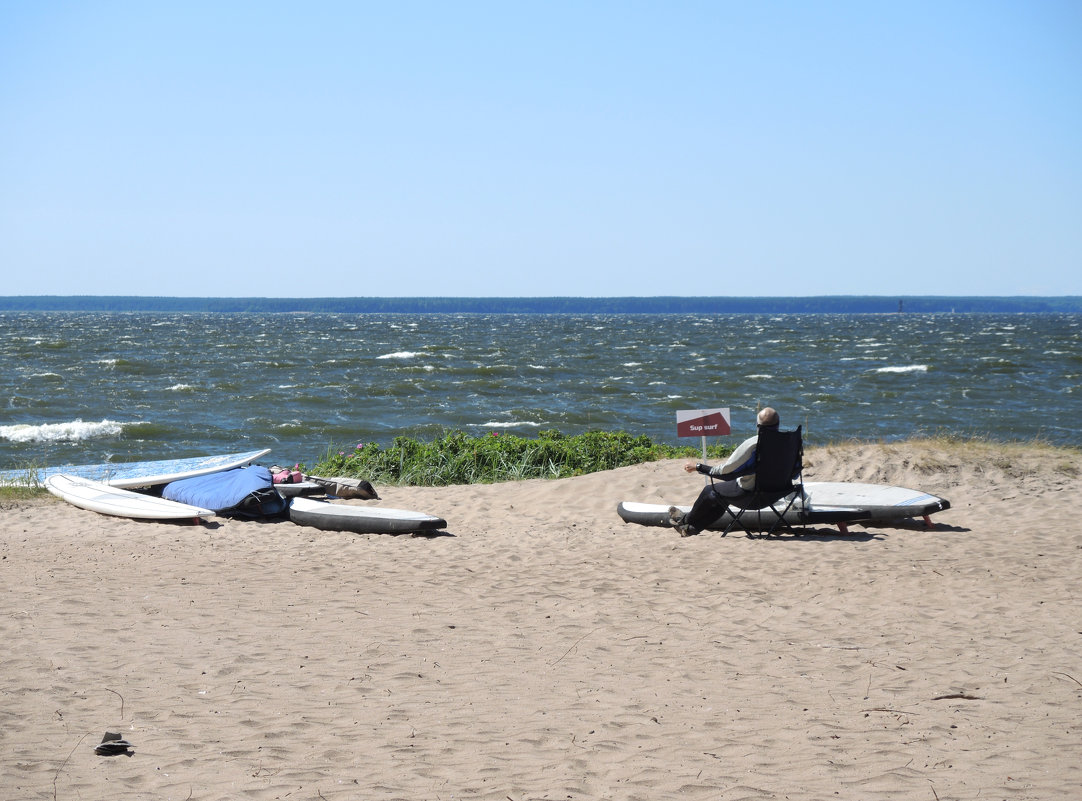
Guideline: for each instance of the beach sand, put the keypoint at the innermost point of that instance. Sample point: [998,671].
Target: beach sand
[544,649]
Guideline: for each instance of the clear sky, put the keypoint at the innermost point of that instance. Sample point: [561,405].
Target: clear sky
[590,148]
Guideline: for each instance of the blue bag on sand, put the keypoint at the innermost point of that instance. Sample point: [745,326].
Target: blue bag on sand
[244,491]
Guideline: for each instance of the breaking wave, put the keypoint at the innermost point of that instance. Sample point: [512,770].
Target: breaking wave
[75,431]
[909,368]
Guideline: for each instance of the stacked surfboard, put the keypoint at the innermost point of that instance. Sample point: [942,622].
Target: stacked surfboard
[108,500]
[105,488]
[137,474]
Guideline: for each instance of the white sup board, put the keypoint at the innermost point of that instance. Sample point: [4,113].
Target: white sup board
[109,500]
[825,502]
[361,519]
[656,514]
[138,474]
[882,501]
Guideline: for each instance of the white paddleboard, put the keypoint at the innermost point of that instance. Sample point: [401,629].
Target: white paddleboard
[656,514]
[109,500]
[138,474]
[882,501]
[829,502]
[361,519]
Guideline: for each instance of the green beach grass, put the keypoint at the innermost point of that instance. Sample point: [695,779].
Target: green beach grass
[458,458]
[22,493]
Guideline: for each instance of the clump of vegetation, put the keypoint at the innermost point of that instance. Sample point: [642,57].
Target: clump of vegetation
[21,492]
[24,487]
[458,458]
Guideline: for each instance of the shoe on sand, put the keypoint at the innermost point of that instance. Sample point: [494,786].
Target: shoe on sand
[113,744]
[677,518]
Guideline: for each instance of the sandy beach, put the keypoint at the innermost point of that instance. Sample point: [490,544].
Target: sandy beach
[544,649]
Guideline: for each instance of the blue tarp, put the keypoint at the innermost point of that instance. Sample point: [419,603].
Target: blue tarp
[228,490]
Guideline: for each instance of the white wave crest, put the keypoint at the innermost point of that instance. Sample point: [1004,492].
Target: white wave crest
[510,425]
[401,354]
[75,431]
[908,368]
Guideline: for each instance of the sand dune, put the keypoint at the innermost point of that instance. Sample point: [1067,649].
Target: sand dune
[543,649]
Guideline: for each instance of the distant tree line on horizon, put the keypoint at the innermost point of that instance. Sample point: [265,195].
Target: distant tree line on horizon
[827,304]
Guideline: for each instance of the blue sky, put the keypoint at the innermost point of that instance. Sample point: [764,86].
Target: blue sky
[541,148]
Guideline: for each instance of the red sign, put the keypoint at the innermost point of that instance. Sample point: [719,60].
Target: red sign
[702,423]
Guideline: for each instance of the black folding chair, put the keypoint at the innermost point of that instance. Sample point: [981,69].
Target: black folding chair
[779,462]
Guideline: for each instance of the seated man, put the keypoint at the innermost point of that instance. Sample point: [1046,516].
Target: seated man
[737,476]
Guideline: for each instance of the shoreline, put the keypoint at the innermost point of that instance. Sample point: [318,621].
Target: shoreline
[542,648]
[986,448]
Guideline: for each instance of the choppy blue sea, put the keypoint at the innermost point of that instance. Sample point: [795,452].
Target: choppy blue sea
[89,387]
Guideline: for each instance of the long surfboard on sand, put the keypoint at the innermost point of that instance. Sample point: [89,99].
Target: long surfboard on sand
[883,502]
[361,519]
[108,500]
[825,502]
[136,474]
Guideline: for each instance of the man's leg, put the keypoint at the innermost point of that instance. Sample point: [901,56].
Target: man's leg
[708,507]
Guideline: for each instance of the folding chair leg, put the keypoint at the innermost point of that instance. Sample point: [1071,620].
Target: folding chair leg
[780,522]
[734,519]
[735,514]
